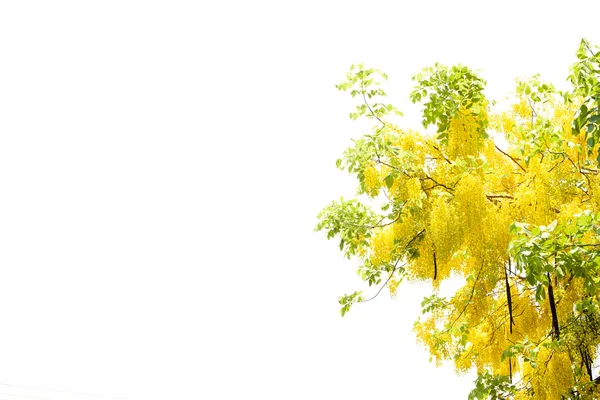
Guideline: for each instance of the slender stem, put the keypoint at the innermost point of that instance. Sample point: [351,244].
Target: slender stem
[395,267]
[362,86]
[509,156]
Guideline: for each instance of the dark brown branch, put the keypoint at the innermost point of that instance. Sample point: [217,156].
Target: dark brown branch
[509,156]
[427,177]
[434,267]
[498,196]
[422,231]
[558,163]
[442,154]
[555,328]
[509,298]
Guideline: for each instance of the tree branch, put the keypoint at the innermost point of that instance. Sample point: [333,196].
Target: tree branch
[395,267]
[509,156]
[362,86]
[470,297]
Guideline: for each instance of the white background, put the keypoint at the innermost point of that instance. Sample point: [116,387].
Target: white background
[161,168]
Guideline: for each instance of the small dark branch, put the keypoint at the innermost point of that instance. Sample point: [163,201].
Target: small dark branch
[558,163]
[572,163]
[434,267]
[512,158]
[510,368]
[555,328]
[427,177]
[583,171]
[509,298]
[425,189]
[589,184]
[442,154]
[422,231]
[470,297]
[378,161]
[498,196]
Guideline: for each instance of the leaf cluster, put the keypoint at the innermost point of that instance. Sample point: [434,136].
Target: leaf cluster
[585,77]
[444,90]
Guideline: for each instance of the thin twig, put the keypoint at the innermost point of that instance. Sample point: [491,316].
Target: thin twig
[362,86]
[427,177]
[442,154]
[509,156]
[498,196]
[470,297]
[386,281]
[395,266]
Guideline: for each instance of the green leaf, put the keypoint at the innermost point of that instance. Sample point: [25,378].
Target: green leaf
[590,128]
[389,181]
[540,293]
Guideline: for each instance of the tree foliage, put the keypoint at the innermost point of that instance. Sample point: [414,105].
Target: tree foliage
[507,200]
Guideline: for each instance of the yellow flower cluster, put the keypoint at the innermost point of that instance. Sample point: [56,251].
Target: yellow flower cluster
[397,190]
[464,134]
[372,181]
[522,109]
[437,342]
[413,188]
[554,375]
[503,178]
[393,287]
[563,115]
[382,246]
[393,128]
[507,123]
[423,268]
[500,217]
[444,231]
[538,198]
[472,204]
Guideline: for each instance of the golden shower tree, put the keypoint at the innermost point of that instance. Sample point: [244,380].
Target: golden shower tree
[507,201]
